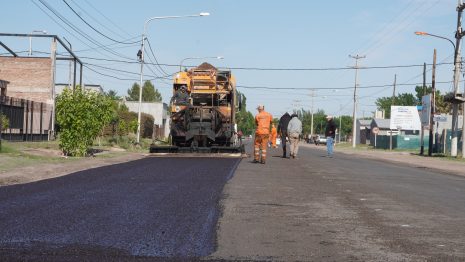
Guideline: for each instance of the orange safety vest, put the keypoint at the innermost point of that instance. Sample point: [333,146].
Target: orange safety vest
[263,121]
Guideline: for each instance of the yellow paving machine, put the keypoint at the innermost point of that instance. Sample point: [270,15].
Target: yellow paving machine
[203,113]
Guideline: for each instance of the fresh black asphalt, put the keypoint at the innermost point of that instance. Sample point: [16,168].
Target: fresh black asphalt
[153,207]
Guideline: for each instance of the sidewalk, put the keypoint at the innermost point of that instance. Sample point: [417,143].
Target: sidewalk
[441,164]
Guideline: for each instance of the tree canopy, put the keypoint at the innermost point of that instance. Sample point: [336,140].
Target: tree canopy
[149,93]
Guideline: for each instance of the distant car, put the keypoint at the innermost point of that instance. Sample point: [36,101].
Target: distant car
[319,139]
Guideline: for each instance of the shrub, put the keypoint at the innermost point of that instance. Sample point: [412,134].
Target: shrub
[81,115]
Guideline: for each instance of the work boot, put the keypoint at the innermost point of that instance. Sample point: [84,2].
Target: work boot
[262,162]
[255,161]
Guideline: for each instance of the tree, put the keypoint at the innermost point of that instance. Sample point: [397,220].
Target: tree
[149,93]
[244,119]
[113,95]
[405,99]
[81,114]
[442,106]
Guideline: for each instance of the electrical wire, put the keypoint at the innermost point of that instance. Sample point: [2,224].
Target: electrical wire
[76,29]
[93,28]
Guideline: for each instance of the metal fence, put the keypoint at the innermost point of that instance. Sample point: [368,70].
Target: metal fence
[27,120]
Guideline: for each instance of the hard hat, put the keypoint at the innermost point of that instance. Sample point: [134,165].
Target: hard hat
[260,107]
[329,117]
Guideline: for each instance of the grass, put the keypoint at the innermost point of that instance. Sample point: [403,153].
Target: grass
[22,154]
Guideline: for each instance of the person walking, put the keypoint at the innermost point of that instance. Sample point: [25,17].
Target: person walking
[282,130]
[294,130]
[330,133]
[262,134]
[274,135]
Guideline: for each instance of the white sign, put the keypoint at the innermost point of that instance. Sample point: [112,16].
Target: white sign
[375,130]
[440,118]
[426,109]
[405,118]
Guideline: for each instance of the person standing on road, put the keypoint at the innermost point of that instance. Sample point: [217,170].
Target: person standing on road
[330,133]
[294,130]
[263,121]
[282,130]
[274,134]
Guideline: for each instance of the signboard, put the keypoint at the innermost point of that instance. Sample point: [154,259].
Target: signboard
[425,110]
[405,118]
[375,130]
[440,118]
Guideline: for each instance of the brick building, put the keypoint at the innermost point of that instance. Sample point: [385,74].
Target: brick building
[29,78]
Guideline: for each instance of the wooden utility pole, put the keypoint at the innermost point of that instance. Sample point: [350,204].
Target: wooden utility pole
[392,103]
[433,97]
[422,131]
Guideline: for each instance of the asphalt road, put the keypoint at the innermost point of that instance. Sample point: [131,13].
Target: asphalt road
[153,208]
[312,208]
[344,208]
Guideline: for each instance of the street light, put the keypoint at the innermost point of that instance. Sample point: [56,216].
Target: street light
[141,56]
[197,57]
[30,39]
[454,140]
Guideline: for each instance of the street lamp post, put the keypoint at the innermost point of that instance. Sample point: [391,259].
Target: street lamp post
[197,57]
[454,140]
[141,56]
[30,39]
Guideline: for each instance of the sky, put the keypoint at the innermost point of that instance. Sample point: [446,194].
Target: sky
[297,49]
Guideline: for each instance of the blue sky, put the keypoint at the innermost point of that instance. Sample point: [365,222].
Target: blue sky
[263,34]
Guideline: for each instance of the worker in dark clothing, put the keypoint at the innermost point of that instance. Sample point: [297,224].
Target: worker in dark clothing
[181,96]
[330,133]
[282,130]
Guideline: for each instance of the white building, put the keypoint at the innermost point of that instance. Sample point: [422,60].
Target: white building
[158,110]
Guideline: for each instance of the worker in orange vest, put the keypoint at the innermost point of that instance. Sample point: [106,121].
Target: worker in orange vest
[262,134]
[274,135]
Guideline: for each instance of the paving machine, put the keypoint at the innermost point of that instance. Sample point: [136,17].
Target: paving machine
[203,113]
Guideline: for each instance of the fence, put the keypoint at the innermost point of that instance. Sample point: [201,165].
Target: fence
[27,120]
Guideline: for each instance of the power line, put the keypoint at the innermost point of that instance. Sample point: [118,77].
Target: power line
[98,22]
[153,54]
[278,69]
[76,29]
[333,88]
[93,28]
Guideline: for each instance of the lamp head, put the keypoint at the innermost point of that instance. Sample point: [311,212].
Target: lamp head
[421,33]
[204,14]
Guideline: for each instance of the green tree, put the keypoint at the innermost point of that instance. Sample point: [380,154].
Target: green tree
[442,106]
[113,95]
[244,119]
[404,99]
[149,93]
[81,115]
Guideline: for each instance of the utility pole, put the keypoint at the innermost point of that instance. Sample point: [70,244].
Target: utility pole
[433,97]
[53,56]
[422,131]
[311,125]
[354,113]
[393,103]
[458,37]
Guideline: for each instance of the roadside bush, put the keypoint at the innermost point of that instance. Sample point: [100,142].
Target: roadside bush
[81,115]
[4,122]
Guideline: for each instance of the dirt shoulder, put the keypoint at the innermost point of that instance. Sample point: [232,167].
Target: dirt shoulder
[441,164]
[32,171]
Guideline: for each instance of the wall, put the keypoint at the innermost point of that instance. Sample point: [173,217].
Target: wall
[30,78]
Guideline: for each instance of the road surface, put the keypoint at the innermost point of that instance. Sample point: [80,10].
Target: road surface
[313,208]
